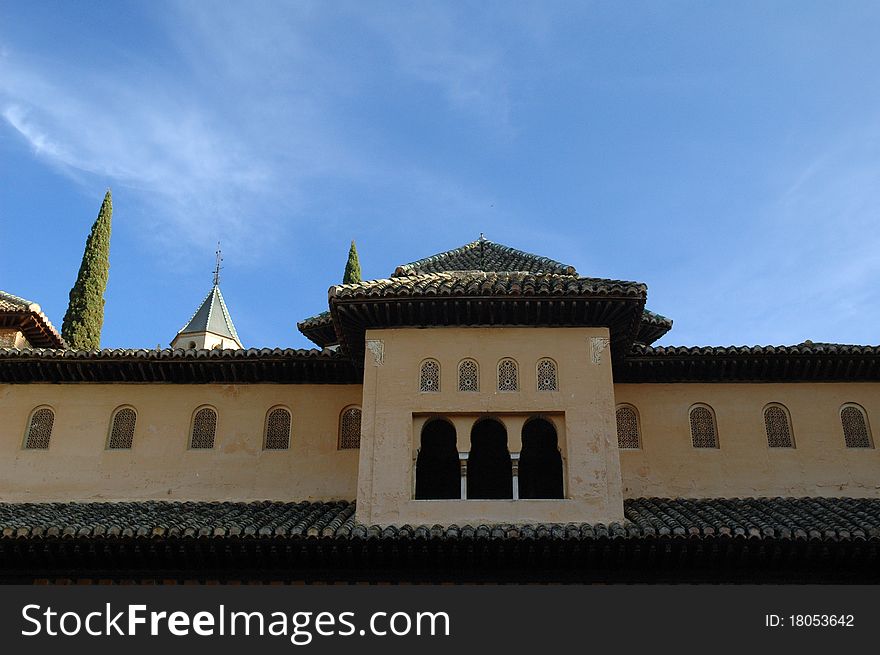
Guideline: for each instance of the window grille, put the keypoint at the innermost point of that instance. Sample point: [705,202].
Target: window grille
[855,427]
[122,428]
[778,427]
[547,380]
[627,428]
[507,375]
[203,428]
[429,379]
[350,428]
[40,429]
[703,432]
[277,429]
[468,376]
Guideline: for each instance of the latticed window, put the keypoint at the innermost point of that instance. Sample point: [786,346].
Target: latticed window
[468,376]
[203,428]
[40,429]
[855,427]
[507,375]
[703,431]
[429,377]
[122,428]
[350,428]
[547,380]
[277,429]
[628,427]
[778,427]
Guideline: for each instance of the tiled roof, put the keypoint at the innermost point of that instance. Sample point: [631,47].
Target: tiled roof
[317,320]
[10,303]
[808,361]
[319,329]
[484,255]
[652,327]
[823,519]
[177,366]
[720,540]
[212,316]
[807,348]
[477,283]
[28,317]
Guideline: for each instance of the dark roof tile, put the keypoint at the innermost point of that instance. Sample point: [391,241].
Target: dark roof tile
[825,519]
[484,255]
[475,284]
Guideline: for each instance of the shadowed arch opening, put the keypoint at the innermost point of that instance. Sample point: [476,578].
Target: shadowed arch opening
[540,462]
[438,473]
[490,474]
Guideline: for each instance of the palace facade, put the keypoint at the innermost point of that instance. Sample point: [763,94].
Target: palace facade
[478,401]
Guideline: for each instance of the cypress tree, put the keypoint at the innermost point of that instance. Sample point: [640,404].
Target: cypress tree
[352,267]
[84,318]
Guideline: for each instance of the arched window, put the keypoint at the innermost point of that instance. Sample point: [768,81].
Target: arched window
[122,428]
[704,433]
[204,426]
[628,434]
[547,379]
[489,469]
[468,375]
[540,462]
[350,428]
[40,429]
[856,433]
[508,377]
[429,376]
[277,434]
[438,473]
[778,426]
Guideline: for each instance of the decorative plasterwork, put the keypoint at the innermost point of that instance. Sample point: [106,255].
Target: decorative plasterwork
[377,347]
[598,345]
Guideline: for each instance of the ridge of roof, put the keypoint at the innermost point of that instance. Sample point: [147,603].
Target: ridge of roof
[484,255]
[206,319]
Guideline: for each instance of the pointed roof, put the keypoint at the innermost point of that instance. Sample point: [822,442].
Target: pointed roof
[487,256]
[212,317]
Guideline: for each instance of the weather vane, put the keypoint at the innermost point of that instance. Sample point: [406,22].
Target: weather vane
[217,267]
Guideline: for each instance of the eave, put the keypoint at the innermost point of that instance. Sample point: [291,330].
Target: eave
[177,366]
[646,364]
[36,328]
[487,300]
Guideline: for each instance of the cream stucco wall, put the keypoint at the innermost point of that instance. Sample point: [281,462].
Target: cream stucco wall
[743,465]
[78,466]
[585,402]
[204,340]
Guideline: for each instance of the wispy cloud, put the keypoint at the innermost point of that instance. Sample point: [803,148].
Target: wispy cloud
[228,130]
[808,262]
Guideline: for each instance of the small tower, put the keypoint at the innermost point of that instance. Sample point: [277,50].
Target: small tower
[211,326]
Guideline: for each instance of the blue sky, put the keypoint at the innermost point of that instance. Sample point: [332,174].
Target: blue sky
[726,154]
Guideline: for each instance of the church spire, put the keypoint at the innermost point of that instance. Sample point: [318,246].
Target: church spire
[211,326]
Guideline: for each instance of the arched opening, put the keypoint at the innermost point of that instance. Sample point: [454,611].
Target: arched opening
[438,475]
[540,462]
[489,474]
